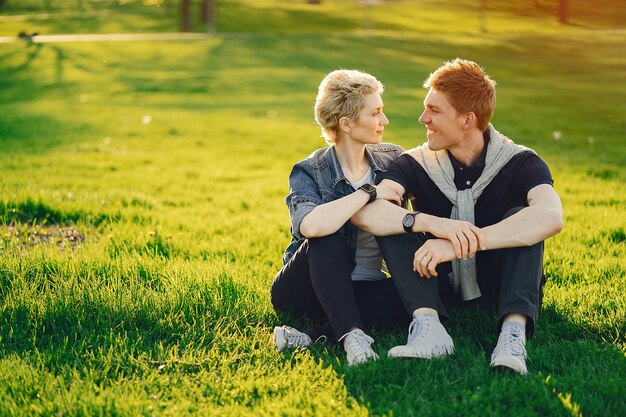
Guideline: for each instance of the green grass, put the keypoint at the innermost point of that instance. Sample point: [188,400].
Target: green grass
[162,306]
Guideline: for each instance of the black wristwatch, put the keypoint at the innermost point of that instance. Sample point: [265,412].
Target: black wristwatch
[371,190]
[409,220]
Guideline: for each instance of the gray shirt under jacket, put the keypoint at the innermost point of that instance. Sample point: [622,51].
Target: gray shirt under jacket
[369,258]
[319,179]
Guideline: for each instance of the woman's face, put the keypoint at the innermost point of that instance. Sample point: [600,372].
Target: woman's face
[371,123]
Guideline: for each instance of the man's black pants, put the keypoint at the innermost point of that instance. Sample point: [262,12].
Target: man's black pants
[316,284]
[511,279]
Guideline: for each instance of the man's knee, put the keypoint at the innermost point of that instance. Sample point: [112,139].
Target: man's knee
[400,243]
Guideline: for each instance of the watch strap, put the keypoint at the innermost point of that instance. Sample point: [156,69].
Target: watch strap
[371,190]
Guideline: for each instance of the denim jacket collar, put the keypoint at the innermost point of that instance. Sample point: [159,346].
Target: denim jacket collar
[337,172]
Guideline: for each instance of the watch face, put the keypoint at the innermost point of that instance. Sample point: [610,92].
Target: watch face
[408,220]
[368,188]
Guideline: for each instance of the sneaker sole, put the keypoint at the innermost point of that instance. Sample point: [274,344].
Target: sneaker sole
[411,354]
[509,364]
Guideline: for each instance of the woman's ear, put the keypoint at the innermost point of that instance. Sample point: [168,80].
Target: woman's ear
[345,124]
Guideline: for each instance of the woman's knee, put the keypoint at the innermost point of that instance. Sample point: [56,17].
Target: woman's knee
[332,245]
[332,239]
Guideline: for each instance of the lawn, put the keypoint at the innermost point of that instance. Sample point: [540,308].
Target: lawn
[142,213]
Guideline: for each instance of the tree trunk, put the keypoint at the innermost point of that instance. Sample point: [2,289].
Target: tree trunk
[185,15]
[482,16]
[207,14]
[564,11]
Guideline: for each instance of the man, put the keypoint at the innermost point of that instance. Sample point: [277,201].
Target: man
[484,206]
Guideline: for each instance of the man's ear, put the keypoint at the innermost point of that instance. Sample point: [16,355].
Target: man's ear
[470,120]
[344,124]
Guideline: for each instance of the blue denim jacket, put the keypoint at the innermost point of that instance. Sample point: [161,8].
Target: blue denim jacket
[319,179]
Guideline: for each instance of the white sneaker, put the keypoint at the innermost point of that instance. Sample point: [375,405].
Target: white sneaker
[358,347]
[510,352]
[288,337]
[427,339]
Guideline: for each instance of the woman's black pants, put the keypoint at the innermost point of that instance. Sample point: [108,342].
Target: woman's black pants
[316,284]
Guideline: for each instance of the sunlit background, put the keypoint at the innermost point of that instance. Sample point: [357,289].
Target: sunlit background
[144,152]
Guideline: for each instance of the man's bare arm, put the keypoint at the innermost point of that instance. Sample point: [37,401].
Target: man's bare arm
[541,219]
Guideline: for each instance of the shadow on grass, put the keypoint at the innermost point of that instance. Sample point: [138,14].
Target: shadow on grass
[94,17]
[239,17]
[561,355]
[32,212]
[110,323]
[69,319]
[265,69]
[571,370]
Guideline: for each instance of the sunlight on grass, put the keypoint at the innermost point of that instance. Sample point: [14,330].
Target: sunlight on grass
[566,399]
[142,213]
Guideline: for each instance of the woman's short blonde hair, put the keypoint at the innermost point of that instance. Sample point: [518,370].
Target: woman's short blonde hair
[341,94]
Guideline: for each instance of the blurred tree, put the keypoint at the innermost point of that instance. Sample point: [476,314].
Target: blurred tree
[563,11]
[207,14]
[185,15]
[482,15]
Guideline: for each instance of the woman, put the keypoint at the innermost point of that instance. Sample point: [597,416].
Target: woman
[332,270]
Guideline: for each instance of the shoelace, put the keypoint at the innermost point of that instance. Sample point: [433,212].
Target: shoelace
[419,329]
[513,341]
[359,344]
[294,340]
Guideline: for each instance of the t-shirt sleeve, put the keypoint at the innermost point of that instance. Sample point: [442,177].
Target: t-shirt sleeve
[534,171]
[401,172]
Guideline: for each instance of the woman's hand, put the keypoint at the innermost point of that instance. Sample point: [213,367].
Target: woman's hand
[430,254]
[389,194]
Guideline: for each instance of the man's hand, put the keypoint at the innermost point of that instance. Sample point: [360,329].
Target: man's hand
[431,254]
[466,239]
[389,194]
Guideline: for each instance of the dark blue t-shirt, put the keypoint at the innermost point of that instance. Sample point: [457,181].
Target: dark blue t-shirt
[507,190]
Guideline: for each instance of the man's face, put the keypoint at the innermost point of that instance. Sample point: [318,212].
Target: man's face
[444,125]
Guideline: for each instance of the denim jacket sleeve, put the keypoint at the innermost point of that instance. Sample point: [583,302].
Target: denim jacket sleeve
[303,195]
